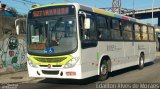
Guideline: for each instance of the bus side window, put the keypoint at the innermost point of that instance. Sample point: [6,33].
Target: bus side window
[102,27]
[151,33]
[81,26]
[144,32]
[116,32]
[127,30]
[137,32]
[87,34]
[91,34]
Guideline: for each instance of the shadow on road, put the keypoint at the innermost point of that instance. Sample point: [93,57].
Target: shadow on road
[91,79]
[128,69]
[70,81]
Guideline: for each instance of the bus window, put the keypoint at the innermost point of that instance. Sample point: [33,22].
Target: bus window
[115,30]
[102,27]
[81,25]
[91,33]
[137,32]
[151,33]
[115,24]
[88,34]
[127,30]
[144,33]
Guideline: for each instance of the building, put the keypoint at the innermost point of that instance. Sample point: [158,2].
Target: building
[6,11]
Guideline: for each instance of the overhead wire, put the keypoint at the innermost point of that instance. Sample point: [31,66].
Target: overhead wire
[26,2]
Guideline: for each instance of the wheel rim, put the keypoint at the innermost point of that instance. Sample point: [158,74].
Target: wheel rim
[141,61]
[103,69]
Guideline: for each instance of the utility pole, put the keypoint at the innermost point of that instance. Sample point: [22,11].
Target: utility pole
[152,11]
[133,11]
[116,6]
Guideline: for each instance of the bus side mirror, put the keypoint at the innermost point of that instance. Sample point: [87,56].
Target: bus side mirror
[87,23]
[17,29]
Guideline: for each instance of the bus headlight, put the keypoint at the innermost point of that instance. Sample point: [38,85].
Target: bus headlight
[32,64]
[71,63]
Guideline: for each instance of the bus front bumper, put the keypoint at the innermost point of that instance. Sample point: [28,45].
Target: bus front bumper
[62,73]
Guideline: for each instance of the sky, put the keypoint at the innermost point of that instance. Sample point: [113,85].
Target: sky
[138,4]
[23,8]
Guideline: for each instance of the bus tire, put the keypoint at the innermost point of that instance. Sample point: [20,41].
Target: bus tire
[104,67]
[141,62]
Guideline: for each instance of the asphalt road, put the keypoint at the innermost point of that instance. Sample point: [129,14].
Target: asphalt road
[126,78]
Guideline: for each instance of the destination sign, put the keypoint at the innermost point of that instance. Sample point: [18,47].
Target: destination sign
[52,11]
[49,12]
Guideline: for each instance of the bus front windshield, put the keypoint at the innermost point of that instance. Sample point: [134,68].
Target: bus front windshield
[56,35]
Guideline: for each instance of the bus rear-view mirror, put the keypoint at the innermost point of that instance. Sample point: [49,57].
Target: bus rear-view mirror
[17,29]
[87,23]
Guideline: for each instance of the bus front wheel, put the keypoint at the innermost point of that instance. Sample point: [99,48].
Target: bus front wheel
[103,70]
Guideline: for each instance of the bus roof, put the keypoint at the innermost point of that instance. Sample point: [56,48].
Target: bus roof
[111,14]
[92,9]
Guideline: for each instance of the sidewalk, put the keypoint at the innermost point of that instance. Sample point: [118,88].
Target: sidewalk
[18,77]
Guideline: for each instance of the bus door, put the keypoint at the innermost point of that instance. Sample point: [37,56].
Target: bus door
[89,42]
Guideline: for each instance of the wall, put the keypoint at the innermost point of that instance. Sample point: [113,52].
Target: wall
[12,47]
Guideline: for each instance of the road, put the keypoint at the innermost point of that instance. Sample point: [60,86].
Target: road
[130,76]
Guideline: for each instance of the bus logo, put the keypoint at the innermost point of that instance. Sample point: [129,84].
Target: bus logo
[49,65]
[49,50]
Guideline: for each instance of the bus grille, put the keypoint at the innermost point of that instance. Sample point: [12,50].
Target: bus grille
[51,60]
[50,72]
[52,65]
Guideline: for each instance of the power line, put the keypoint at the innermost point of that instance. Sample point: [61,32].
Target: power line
[26,2]
[29,1]
[20,1]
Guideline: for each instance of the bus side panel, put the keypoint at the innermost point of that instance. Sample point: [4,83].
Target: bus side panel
[152,51]
[89,62]
[130,57]
[148,48]
[115,51]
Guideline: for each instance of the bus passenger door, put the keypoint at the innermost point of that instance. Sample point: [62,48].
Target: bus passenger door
[89,46]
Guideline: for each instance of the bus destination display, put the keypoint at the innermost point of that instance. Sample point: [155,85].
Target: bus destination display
[49,12]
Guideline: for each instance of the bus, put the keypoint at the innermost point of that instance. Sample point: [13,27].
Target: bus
[74,41]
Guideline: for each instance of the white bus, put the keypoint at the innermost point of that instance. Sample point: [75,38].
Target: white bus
[73,41]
